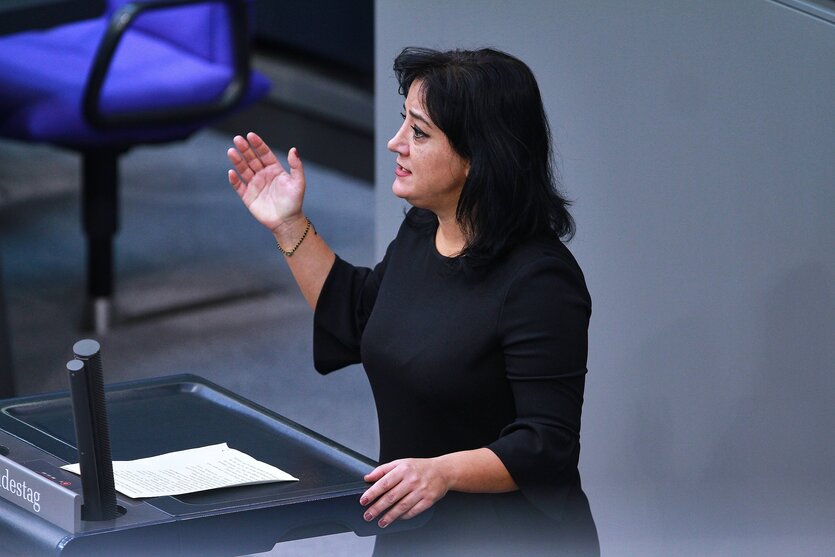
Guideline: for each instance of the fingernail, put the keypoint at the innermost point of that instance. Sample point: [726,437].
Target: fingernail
[364,501]
[368,516]
[383,523]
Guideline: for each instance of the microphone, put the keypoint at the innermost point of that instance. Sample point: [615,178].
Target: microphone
[91,432]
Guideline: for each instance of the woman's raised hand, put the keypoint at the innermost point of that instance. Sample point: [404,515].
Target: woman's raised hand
[273,195]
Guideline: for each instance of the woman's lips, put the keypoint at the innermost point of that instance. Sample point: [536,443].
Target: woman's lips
[401,172]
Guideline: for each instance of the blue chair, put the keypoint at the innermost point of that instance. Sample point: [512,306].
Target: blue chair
[146,72]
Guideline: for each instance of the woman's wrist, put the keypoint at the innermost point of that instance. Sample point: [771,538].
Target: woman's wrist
[290,229]
[291,233]
[448,470]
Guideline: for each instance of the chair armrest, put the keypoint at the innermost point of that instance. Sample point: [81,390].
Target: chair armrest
[120,21]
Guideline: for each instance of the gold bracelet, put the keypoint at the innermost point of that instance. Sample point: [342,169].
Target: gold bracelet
[304,235]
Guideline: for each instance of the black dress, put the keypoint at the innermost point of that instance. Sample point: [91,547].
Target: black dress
[460,361]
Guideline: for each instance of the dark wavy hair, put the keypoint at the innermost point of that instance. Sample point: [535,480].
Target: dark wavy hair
[488,105]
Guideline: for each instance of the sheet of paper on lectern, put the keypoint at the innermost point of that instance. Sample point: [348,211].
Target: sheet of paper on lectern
[188,471]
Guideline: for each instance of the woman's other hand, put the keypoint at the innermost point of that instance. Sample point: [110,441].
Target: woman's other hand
[403,489]
[273,195]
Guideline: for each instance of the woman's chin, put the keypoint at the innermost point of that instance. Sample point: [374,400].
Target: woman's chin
[399,190]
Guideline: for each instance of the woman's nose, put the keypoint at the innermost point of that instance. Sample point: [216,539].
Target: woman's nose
[397,144]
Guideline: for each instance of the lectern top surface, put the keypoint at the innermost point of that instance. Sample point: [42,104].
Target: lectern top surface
[182,412]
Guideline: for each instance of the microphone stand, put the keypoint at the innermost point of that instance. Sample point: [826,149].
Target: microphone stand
[91,432]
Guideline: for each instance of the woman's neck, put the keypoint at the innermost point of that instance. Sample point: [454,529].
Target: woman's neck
[449,239]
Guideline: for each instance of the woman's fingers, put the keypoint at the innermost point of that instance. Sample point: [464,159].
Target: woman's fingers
[418,508]
[384,482]
[248,153]
[392,504]
[400,509]
[295,163]
[236,182]
[251,155]
[261,149]
[241,166]
[402,502]
[375,475]
[256,155]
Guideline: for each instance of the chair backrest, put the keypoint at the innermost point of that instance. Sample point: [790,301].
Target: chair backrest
[169,75]
[200,29]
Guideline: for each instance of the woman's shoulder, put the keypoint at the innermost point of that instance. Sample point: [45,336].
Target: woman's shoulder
[544,250]
[540,265]
[543,283]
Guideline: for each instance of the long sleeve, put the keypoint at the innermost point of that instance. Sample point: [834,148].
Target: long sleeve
[543,327]
[343,308]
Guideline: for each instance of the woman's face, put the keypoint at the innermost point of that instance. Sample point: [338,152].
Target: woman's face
[429,174]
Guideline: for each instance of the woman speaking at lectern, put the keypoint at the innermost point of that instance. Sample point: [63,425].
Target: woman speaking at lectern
[472,329]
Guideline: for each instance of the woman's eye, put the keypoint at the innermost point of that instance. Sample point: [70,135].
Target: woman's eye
[417,133]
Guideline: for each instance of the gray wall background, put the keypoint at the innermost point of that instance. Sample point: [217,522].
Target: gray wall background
[697,140]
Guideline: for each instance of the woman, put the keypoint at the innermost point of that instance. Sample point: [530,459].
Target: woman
[473,328]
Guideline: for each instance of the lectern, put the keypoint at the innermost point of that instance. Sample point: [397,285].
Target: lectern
[41,510]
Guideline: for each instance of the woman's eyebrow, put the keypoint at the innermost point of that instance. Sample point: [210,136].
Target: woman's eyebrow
[417,116]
